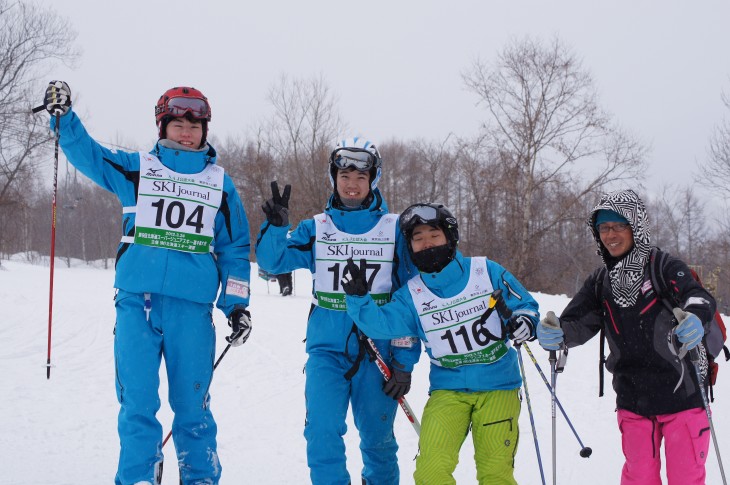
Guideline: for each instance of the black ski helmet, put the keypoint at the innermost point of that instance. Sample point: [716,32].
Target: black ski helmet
[432,214]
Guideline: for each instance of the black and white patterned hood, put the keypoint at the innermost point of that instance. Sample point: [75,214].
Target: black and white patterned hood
[626,274]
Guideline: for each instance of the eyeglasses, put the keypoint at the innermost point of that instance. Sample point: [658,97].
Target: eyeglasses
[197,107]
[357,158]
[617,228]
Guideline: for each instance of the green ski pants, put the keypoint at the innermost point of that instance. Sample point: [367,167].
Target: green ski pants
[493,417]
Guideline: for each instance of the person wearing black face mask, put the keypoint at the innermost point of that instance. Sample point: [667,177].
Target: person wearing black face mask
[432,234]
[475,378]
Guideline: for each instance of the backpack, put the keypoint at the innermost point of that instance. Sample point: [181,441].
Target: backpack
[714,339]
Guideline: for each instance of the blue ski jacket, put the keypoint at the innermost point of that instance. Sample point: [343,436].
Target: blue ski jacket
[399,317]
[332,330]
[144,269]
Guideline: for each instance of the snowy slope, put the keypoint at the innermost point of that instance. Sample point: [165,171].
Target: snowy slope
[63,430]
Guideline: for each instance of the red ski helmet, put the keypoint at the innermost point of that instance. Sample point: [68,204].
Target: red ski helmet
[180,102]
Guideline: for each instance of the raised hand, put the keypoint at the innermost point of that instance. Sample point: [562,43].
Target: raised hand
[277,207]
[58,98]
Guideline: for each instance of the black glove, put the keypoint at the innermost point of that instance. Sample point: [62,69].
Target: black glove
[240,322]
[277,207]
[521,329]
[399,383]
[354,281]
[58,98]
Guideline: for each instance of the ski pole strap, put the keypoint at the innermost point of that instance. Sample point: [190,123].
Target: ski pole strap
[361,348]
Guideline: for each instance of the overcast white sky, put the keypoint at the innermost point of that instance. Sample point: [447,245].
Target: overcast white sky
[660,67]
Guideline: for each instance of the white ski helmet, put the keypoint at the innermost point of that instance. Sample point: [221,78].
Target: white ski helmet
[358,153]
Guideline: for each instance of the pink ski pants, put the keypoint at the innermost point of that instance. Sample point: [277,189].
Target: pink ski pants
[686,440]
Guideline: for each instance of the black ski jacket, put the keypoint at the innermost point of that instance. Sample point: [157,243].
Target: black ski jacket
[648,377]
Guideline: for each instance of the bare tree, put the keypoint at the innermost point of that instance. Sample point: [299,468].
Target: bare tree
[546,127]
[252,169]
[481,191]
[31,39]
[418,171]
[680,221]
[715,172]
[300,135]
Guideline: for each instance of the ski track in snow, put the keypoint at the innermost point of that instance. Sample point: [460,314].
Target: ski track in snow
[63,430]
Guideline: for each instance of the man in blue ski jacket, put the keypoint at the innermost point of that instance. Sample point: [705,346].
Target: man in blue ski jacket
[355,223]
[475,379]
[185,233]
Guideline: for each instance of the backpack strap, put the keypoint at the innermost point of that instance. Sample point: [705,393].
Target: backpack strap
[601,360]
[657,262]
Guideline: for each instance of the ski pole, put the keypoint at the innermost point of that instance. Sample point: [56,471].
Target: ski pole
[585,451]
[553,378]
[38,109]
[53,246]
[497,301]
[383,367]
[551,321]
[214,367]
[529,410]
[694,356]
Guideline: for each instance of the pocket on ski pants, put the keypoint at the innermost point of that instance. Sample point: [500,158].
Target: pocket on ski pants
[686,441]
[693,422]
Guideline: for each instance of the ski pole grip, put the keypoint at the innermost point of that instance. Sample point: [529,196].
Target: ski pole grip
[694,353]
[679,314]
[551,320]
[500,305]
[38,109]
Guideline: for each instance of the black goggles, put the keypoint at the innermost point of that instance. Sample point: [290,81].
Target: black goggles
[357,158]
[197,107]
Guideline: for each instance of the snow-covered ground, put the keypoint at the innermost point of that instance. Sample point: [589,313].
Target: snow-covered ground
[63,430]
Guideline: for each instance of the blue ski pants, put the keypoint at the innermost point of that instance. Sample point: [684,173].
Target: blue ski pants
[328,395]
[182,331]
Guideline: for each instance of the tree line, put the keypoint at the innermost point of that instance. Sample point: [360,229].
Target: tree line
[521,189]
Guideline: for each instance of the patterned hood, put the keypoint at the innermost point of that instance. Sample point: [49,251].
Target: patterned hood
[626,274]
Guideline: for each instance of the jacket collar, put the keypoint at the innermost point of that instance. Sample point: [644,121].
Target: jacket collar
[183,161]
[357,221]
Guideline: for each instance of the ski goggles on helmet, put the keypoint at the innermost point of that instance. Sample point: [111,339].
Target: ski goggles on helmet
[357,158]
[177,107]
[418,214]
